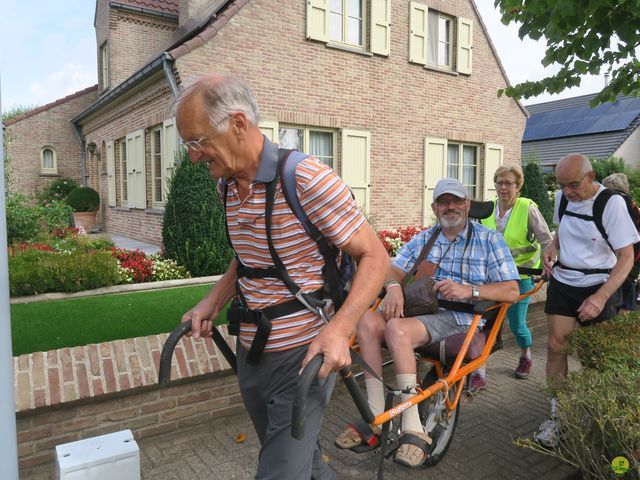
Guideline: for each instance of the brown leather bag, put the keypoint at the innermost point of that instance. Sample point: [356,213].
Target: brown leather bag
[419,297]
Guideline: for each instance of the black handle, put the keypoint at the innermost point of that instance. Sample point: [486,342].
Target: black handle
[164,373]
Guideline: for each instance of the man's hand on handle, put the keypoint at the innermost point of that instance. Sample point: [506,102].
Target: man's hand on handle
[333,343]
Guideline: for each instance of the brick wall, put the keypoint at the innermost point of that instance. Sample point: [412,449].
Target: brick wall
[75,393]
[47,126]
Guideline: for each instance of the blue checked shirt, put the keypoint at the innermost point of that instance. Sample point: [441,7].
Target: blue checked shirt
[487,259]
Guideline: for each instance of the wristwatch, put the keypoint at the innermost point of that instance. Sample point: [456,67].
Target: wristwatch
[475,293]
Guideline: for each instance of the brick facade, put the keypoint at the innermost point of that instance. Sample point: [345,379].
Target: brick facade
[46,126]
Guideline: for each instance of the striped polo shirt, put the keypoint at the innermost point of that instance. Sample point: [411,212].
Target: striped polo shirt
[329,205]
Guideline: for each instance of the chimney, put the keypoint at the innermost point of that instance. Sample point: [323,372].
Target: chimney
[606,78]
[188,9]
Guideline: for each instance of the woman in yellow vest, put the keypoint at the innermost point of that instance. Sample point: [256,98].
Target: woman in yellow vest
[526,233]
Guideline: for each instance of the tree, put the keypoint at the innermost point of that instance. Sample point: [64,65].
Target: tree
[582,37]
[535,189]
[13,112]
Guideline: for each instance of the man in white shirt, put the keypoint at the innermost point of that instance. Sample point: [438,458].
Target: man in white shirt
[586,269]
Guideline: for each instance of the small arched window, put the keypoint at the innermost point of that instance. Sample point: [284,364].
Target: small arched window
[49,162]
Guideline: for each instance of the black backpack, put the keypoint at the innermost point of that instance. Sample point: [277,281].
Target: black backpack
[598,209]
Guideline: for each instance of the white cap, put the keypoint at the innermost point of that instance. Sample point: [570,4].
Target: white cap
[449,185]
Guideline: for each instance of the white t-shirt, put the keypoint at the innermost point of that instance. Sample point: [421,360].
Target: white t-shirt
[582,245]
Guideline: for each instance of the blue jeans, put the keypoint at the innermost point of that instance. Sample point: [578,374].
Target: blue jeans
[517,315]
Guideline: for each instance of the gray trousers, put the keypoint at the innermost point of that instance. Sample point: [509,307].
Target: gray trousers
[268,390]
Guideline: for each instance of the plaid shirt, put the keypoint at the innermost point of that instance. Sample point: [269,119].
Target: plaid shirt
[486,260]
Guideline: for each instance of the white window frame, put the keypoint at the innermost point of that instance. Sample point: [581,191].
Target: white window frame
[461,145]
[122,163]
[157,196]
[345,24]
[305,139]
[54,158]
[436,36]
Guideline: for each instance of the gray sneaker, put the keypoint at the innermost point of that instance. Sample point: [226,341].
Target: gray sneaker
[548,434]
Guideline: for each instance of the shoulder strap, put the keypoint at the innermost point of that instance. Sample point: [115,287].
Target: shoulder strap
[598,210]
[423,254]
[562,207]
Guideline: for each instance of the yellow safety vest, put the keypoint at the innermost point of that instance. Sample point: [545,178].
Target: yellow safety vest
[526,252]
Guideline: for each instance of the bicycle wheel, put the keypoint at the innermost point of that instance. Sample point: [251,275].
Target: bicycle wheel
[439,424]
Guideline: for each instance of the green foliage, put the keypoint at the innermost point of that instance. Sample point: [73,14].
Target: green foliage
[165,269]
[34,272]
[56,215]
[606,166]
[58,189]
[16,110]
[23,220]
[582,38]
[534,188]
[193,231]
[83,199]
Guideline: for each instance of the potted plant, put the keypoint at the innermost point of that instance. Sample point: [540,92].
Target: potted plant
[85,202]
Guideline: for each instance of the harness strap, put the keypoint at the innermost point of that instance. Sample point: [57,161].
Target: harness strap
[250,272]
[586,271]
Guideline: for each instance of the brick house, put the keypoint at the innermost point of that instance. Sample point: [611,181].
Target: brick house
[394,95]
[43,143]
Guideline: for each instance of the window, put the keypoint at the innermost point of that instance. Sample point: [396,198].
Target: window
[156,167]
[462,164]
[344,22]
[48,163]
[104,65]
[316,142]
[124,194]
[439,40]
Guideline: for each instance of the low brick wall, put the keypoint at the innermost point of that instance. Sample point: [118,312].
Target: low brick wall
[75,393]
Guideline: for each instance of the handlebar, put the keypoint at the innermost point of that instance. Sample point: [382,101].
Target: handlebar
[309,373]
[164,372]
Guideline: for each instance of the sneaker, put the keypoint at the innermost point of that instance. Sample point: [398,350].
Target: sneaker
[547,435]
[477,383]
[524,367]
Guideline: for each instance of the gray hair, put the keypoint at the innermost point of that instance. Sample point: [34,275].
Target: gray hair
[223,96]
[618,181]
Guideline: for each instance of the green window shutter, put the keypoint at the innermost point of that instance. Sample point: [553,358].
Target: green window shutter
[318,20]
[356,165]
[493,158]
[137,192]
[381,27]
[169,151]
[435,168]
[418,18]
[270,129]
[465,45]
[111,174]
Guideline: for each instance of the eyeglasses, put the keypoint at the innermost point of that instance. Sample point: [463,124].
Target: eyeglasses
[446,201]
[504,183]
[195,145]
[571,185]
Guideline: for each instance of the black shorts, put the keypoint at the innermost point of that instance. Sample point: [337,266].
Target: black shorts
[629,295]
[563,299]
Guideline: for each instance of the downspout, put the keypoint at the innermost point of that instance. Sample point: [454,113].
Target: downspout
[167,65]
[83,157]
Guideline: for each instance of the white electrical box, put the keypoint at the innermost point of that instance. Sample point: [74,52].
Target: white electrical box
[107,457]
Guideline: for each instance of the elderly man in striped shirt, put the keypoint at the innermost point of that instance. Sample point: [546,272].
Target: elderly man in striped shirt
[217,118]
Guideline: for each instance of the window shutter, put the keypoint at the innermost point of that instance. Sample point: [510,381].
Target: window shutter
[493,157]
[111,174]
[418,33]
[318,20]
[465,45]
[356,168]
[169,151]
[270,129]
[137,193]
[435,168]
[380,27]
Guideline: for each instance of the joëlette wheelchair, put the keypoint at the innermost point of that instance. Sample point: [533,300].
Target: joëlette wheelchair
[447,364]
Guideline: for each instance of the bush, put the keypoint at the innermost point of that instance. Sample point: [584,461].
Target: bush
[534,187]
[23,220]
[135,266]
[606,166]
[83,199]
[166,269]
[193,231]
[57,215]
[393,239]
[58,189]
[34,272]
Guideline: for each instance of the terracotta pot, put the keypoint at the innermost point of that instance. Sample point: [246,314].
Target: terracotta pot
[85,220]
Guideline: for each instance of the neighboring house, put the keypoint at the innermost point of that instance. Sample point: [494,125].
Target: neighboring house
[394,95]
[558,128]
[43,144]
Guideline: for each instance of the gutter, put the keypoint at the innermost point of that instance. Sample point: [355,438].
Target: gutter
[83,155]
[145,11]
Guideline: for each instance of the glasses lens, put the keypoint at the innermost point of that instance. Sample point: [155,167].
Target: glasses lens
[505,183]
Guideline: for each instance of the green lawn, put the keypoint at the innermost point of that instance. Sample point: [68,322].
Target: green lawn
[53,324]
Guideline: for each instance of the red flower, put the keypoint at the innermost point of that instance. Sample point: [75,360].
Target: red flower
[135,260]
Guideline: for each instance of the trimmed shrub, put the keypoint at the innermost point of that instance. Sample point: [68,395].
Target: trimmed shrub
[83,199]
[534,188]
[33,272]
[193,231]
[58,189]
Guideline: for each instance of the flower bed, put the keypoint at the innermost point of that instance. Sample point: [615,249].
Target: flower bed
[393,239]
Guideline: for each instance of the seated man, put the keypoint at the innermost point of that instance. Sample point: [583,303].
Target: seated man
[470,263]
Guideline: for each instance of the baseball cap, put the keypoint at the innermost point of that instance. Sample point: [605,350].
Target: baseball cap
[449,185]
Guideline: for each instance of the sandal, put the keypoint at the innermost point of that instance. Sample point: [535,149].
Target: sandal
[413,449]
[359,437]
